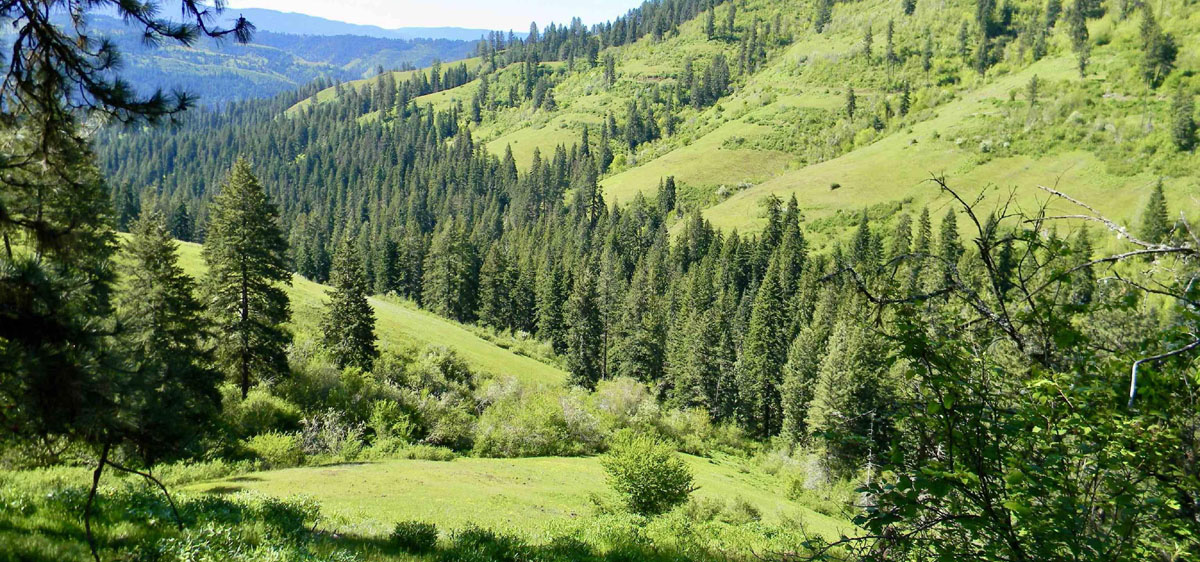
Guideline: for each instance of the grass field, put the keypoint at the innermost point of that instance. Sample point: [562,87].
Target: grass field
[401,325]
[530,496]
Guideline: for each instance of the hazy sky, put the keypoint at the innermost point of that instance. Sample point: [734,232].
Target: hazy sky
[484,14]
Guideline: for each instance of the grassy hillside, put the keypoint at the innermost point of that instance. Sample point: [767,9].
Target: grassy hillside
[783,130]
[528,496]
[402,326]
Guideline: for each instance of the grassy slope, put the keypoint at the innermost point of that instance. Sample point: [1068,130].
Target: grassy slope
[400,326]
[735,144]
[528,496]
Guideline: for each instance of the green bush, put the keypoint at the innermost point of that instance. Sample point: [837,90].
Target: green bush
[648,475]
[416,537]
[535,425]
[277,450]
[260,412]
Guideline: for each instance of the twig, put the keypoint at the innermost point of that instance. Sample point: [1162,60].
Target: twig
[1136,364]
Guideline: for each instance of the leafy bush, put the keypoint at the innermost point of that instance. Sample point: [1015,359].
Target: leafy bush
[260,412]
[277,450]
[416,537]
[648,475]
[330,435]
[536,424]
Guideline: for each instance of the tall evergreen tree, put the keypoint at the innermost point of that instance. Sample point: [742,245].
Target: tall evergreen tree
[169,396]
[1156,223]
[348,327]
[1078,32]
[551,295]
[246,257]
[764,352]
[585,331]
[1183,120]
[450,286]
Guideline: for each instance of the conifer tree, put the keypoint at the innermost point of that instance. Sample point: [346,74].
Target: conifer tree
[496,281]
[1156,223]
[851,102]
[1160,49]
[585,331]
[169,395]
[551,294]
[730,16]
[450,286]
[640,349]
[909,6]
[905,100]
[1183,121]
[1078,31]
[710,28]
[890,45]
[848,412]
[927,53]
[822,15]
[950,249]
[803,365]
[180,224]
[246,257]
[348,327]
[764,352]
[868,40]
[666,197]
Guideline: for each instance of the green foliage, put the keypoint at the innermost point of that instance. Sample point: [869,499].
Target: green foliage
[259,412]
[585,332]
[415,537]
[246,257]
[171,396]
[277,450]
[647,474]
[1183,121]
[529,424]
[1156,223]
[349,323]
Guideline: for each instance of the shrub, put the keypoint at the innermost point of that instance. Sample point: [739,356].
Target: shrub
[277,450]
[536,424]
[328,434]
[740,511]
[260,412]
[625,403]
[648,475]
[416,537]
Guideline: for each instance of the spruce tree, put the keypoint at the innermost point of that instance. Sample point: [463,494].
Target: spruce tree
[1156,223]
[496,281]
[585,331]
[180,224]
[1078,32]
[348,327]
[1183,121]
[851,103]
[764,352]
[551,295]
[822,15]
[1159,49]
[640,348]
[246,257]
[169,394]
[803,365]
[666,197]
[450,286]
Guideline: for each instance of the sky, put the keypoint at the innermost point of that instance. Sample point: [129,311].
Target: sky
[481,14]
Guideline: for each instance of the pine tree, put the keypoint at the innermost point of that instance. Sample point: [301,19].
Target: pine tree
[848,412]
[180,224]
[909,6]
[496,281]
[927,53]
[246,257]
[1160,49]
[1156,222]
[666,197]
[169,394]
[1183,121]
[822,15]
[905,100]
[640,348]
[730,16]
[889,53]
[450,286]
[348,327]
[764,352]
[551,295]
[803,365]
[950,249]
[851,102]
[1078,31]
[868,40]
[710,28]
[585,332]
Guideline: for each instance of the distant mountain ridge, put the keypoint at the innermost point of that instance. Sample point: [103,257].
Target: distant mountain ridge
[304,24]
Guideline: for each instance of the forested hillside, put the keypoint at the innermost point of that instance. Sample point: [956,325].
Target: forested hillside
[905,279]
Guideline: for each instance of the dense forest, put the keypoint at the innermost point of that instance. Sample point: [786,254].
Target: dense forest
[963,377]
